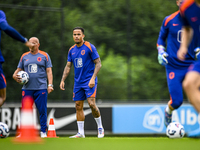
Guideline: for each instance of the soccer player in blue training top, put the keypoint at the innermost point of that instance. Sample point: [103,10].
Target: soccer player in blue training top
[175,69]
[38,65]
[87,64]
[190,12]
[4,26]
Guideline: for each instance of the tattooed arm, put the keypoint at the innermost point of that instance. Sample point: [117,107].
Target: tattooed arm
[96,71]
[65,74]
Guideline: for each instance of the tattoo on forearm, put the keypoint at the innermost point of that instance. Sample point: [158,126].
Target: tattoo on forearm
[65,73]
[97,67]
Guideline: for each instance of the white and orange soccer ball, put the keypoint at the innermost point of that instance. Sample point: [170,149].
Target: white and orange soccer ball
[175,130]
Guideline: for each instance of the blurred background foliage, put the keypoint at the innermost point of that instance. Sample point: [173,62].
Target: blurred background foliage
[124,32]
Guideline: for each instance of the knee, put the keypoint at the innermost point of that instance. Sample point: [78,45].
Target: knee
[186,84]
[189,83]
[78,107]
[3,98]
[92,104]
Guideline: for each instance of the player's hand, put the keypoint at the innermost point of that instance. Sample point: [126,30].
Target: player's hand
[91,83]
[29,44]
[162,58]
[50,89]
[62,85]
[181,53]
[197,52]
[17,78]
[162,55]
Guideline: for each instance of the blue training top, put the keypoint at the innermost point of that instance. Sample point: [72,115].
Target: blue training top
[171,32]
[190,13]
[35,66]
[83,60]
[4,26]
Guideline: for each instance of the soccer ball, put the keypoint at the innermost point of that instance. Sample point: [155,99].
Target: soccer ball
[4,130]
[24,75]
[175,130]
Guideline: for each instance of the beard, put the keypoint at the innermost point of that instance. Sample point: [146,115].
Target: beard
[77,42]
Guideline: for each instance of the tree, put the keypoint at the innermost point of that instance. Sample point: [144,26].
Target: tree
[105,24]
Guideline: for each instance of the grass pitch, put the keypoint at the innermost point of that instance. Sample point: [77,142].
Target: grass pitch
[107,143]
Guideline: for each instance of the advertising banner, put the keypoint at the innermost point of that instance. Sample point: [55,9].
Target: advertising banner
[149,119]
[64,116]
[116,118]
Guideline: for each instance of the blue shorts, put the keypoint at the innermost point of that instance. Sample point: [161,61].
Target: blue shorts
[40,100]
[195,67]
[174,80]
[83,92]
[2,78]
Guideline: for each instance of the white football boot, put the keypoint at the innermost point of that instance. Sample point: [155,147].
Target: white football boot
[43,134]
[78,135]
[100,133]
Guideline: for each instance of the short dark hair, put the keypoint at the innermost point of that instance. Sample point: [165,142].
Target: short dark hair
[79,28]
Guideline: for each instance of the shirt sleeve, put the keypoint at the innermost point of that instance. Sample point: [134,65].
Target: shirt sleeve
[94,53]
[163,34]
[182,14]
[12,32]
[69,56]
[49,64]
[2,16]
[20,64]
[184,20]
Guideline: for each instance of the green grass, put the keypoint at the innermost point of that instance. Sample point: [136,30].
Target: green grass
[107,143]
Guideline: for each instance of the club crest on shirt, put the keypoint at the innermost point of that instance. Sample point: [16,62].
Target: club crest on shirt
[39,59]
[32,68]
[83,52]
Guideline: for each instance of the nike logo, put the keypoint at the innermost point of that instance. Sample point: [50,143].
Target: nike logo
[175,24]
[73,53]
[63,121]
[194,19]
[43,92]
[27,59]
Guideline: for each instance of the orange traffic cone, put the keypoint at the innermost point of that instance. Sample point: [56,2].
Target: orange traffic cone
[28,132]
[51,130]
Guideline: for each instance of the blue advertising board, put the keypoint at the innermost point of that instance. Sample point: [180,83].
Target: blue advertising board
[148,119]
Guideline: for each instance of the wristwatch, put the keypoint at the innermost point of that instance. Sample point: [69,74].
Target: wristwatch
[51,85]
